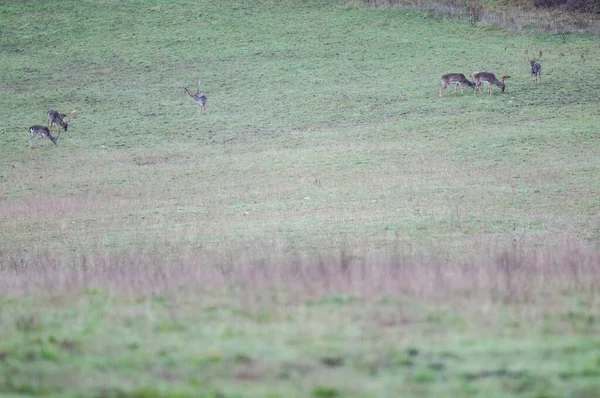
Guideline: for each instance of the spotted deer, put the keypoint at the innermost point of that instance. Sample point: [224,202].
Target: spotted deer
[536,68]
[455,78]
[489,79]
[54,117]
[43,132]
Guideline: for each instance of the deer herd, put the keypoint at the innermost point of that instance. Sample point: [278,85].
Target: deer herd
[488,78]
[53,117]
[57,118]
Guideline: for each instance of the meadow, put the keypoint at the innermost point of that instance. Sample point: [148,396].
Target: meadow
[329,227]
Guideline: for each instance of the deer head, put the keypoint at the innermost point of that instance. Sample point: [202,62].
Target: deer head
[534,60]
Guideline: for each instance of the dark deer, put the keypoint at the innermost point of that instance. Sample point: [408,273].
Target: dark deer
[54,117]
[199,97]
[536,67]
[42,131]
[489,79]
[455,78]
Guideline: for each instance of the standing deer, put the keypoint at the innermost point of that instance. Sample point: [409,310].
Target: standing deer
[54,117]
[489,79]
[474,76]
[536,67]
[42,131]
[199,97]
[455,78]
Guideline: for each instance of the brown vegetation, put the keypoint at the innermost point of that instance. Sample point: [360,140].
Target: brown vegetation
[507,272]
[559,16]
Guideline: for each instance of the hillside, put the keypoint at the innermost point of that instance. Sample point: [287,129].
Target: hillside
[330,226]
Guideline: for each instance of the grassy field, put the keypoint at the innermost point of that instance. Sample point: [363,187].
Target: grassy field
[330,227]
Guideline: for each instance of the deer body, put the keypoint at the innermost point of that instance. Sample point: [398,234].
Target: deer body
[455,78]
[200,98]
[536,68]
[489,79]
[536,71]
[54,117]
[42,131]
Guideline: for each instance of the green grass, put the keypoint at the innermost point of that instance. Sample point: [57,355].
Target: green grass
[102,344]
[324,130]
[298,94]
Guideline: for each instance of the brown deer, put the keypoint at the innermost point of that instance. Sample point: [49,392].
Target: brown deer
[536,67]
[42,131]
[54,117]
[474,76]
[455,78]
[199,97]
[489,79]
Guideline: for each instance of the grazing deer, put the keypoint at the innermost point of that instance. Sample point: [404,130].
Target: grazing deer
[536,67]
[489,79]
[54,117]
[455,78]
[42,131]
[474,76]
[199,97]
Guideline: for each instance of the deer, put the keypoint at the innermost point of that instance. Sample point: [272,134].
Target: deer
[54,117]
[536,67]
[199,97]
[474,76]
[42,131]
[455,78]
[489,79]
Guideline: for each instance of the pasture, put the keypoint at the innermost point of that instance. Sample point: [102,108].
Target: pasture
[329,227]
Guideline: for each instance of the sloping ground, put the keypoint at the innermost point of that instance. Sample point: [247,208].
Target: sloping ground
[329,227]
